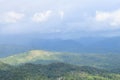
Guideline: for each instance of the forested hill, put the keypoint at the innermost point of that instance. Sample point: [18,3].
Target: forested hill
[55,71]
[106,61]
[45,65]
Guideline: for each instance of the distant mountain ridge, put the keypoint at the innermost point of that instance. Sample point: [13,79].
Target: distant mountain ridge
[83,45]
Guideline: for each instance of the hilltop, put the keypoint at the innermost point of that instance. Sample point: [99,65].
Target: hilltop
[107,61]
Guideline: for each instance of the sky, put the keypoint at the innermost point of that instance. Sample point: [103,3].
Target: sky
[60,18]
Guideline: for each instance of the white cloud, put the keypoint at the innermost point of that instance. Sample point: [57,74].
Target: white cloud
[11,17]
[111,18]
[42,16]
[102,16]
[61,13]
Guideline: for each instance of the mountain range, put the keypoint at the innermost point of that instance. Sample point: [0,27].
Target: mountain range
[58,59]
[83,45]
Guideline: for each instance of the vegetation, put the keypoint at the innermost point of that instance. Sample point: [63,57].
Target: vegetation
[55,71]
[103,61]
[44,65]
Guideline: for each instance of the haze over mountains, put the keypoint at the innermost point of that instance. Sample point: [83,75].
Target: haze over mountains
[15,45]
[60,40]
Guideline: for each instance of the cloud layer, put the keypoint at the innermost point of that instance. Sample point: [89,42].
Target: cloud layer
[73,18]
[111,18]
[11,17]
[42,17]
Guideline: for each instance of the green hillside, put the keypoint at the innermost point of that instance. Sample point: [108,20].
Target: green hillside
[45,65]
[30,56]
[56,71]
[106,61]
[4,66]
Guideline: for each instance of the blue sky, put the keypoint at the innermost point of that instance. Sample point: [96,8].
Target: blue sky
[60,18]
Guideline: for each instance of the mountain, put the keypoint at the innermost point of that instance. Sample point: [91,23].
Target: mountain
[11,49]
[30,56]
[106,61]
[107,45]
[101,45]
[39,44]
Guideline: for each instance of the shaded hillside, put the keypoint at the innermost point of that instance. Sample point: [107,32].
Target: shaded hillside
[55,71]
[4,66]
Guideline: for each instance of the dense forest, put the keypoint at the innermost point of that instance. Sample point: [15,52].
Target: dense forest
[54,71]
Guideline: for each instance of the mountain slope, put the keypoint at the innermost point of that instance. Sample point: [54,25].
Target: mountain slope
[107,61]
[29,56]
[4,66]
[55,71]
